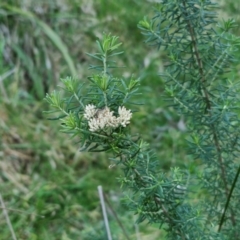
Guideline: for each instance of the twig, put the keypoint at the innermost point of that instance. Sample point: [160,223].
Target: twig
[116,217]
[2,77]
[137,230]
[209,108]
[228,200]
[22,212]
[100,192]
[7,218]
[7,74]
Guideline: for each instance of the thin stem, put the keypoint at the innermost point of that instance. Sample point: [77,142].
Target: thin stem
[22,212]
[62,110]
[7,74]
[209,108]
[116,217]
[105,75]
[2,77]
[137,229]
[76,96]
[92,133]
[228,199]
[7,218]
[105,64]
[100,192]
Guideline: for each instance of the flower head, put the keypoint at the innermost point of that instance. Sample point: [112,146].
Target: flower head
[90,111]
[103,118]
[124,116]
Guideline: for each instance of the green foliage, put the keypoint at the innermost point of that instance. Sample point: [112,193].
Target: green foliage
[200,84]
[32,58]
[33,153]
[40,170]
[104,92]
[154,192]
[199,81]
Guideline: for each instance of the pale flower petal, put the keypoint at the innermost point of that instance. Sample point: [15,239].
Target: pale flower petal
[124,116]
[103,118]
[90,111]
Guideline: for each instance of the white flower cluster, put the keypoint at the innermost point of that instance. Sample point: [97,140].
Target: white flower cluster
[102,118]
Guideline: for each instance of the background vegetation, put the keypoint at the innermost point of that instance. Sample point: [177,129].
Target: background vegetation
[49,186]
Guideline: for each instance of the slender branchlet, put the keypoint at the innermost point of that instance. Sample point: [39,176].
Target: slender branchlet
[206,96]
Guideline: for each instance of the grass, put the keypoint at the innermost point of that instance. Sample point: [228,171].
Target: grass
[47,185]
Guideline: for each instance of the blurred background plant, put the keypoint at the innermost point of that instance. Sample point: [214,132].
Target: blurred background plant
[41,173]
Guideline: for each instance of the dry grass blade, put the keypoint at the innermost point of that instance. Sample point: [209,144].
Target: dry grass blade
[7,218]
[57,41]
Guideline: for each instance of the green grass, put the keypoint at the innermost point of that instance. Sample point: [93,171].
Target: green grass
[42,172]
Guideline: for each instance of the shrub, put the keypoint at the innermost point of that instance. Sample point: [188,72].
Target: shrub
[201,87]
